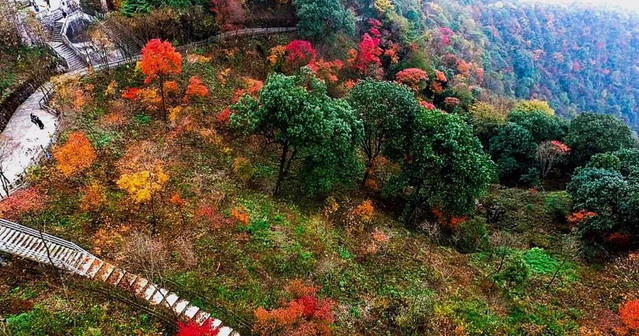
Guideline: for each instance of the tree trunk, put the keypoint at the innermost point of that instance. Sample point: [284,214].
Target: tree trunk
[280,175]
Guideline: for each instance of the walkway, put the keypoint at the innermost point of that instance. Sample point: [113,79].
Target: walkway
[26,143]
[40,247]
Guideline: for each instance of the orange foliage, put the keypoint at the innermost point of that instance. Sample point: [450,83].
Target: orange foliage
[451,222]
[196,88]
[131,93]
[177,200]
[94,196]
[327,70]
[240,215]
[580,216]
[160,59]
[414,78]
[629,313]
[22,201]
[440,76]
[304,315]
[75,155]
[170,86]
[365,210]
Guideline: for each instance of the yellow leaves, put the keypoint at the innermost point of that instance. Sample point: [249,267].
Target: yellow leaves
[195,58]
[365,211]
[223,76]
[142,185]
[150,97]
[384,6]
[276,55]
[111,88]
[174,112]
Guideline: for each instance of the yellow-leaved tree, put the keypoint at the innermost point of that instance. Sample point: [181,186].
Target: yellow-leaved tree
[142,187]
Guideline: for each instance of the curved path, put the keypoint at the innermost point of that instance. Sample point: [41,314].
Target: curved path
[26,144]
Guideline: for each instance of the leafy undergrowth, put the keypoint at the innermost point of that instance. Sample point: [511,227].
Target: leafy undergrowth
[226,244]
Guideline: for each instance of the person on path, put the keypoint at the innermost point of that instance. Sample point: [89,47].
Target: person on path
[37,121]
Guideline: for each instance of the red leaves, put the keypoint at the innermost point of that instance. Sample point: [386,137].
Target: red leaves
[196,88]
[22,201]
[560,147]
[305,315]
[160,59]
[629,313]
[193,329]
[368,54]
[414,78]
[131,93]
[579,217]
[300,51]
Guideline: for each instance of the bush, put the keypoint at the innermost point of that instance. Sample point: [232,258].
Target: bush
[515,271]
[557,205]
[471,235]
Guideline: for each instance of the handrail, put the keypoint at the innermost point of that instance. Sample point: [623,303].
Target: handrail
[41,235]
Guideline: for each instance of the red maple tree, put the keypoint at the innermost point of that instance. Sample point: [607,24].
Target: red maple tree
[159,61]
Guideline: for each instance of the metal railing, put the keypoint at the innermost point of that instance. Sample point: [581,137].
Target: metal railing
[50,242]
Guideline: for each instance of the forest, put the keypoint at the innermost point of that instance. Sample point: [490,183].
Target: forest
[374,167]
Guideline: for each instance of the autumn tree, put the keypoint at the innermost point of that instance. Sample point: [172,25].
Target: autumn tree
[142,187]
[75,155]
[444,167]
[159,62]
[295,113]
[414,78]
[305,314]
[229,14]
[318,19]
[547,155]
[387,111]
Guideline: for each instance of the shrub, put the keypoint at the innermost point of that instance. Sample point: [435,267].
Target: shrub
[471,235]
[557,205]
[629,313]
[304,315]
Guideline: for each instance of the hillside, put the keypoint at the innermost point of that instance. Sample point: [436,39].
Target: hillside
[576,58]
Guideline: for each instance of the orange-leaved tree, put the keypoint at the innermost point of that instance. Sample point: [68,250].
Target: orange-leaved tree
[159,62]
[629,313]
[75,155]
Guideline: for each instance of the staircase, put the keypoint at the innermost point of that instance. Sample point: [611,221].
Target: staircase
[34,245]
[56,42]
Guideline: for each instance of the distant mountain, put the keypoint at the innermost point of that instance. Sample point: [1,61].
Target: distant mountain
[577,58]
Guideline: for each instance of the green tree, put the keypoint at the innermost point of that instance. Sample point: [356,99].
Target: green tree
[295,113]
[320,18]
[591,133]
[541,125]
[444,166]
[388,111]
[513,150]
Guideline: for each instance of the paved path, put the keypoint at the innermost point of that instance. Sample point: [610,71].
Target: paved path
[24,141]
